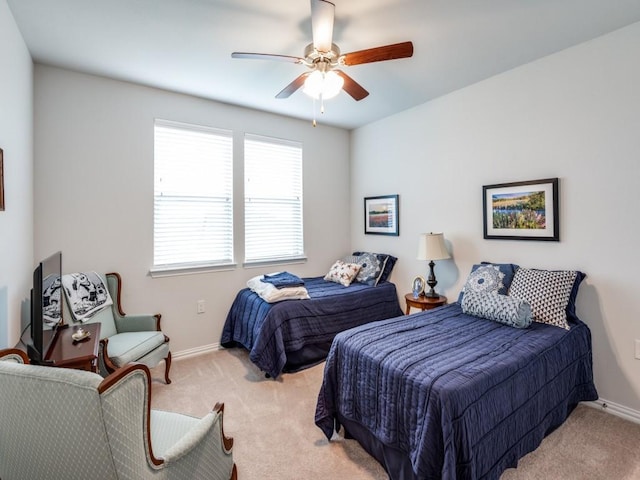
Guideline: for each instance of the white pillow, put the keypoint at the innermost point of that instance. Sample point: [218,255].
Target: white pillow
[269,293]
[343,273]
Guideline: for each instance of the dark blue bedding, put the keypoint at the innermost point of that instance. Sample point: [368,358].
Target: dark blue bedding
[293,334]
[441,394]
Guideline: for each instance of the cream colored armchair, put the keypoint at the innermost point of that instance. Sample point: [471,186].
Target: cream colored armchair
[71,424]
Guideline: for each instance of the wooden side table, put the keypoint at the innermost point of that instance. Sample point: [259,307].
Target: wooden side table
[66,353]
[82,355]
[423,302]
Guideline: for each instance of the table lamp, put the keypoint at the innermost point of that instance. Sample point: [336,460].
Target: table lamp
[431,247]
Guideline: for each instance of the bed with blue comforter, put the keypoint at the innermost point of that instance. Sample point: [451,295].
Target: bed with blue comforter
[293,334]
[442,394]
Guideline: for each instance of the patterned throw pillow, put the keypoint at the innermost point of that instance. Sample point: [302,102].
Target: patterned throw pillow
[499,308]
[387,263]
[370,267]
[489,277]
[546,291]
[342,273]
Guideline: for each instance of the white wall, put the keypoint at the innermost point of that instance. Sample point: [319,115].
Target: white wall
[94,192]
[16,139]
[573,115]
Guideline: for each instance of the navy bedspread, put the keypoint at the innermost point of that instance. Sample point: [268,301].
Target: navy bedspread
[273,331]
[459,397]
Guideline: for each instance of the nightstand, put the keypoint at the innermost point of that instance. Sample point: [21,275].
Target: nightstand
[424,302]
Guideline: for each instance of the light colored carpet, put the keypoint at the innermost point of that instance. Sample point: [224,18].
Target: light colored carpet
[271,422]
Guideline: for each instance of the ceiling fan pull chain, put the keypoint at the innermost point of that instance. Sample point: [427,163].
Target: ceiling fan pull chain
[314,113]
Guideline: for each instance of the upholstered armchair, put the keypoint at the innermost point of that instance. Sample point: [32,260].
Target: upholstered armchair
[73,424]
[126,338]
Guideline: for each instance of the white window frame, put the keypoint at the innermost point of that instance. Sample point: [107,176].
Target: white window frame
[198,220]
[277,165]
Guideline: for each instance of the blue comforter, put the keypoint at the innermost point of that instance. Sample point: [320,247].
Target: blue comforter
[459,397]
[273,331]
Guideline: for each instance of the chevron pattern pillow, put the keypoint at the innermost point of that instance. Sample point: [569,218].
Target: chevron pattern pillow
[547,291]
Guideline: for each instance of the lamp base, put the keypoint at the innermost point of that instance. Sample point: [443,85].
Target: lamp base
[432,282]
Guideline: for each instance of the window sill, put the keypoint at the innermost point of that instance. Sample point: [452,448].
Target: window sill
[161,272]
[265,263]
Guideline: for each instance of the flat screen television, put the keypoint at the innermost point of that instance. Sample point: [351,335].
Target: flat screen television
[46,307]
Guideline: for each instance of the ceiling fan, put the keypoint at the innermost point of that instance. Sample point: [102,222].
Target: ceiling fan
[324,79]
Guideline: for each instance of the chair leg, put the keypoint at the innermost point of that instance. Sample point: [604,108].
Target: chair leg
[167,366]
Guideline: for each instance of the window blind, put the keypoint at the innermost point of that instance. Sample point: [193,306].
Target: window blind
[272,199]
[193,196]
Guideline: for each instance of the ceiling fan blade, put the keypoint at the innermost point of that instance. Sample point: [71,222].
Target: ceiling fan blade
[322,14]
[352,87]
[378,54]
[287,91]
[267,56]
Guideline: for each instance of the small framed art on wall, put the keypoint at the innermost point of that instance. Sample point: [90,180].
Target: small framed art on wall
[1,181]
[381,215]
[522,210]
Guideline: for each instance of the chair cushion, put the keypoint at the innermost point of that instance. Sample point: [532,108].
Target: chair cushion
[167,428]
[128,347]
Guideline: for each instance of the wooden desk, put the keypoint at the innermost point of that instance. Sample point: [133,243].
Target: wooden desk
[67,353]
[423,302]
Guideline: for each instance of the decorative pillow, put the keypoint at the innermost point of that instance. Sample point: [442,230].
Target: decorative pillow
[342,273]
[386,264]
[269,293]
[370,268]
[571,306]
[547,292]
[489,277]
[499,308]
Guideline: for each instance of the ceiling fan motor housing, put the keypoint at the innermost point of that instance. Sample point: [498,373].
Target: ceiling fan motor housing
[313,56]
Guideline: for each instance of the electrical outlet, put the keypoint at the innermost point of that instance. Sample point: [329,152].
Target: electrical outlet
[200,306]
[637,355]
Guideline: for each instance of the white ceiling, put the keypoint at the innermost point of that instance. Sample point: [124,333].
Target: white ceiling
[185,45]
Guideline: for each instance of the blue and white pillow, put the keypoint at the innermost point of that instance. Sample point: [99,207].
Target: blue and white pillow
[490,278]
[386,264]
[499,308]
[370,269]
[548,291]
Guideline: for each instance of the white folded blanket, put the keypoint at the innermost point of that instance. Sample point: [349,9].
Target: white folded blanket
[269,293]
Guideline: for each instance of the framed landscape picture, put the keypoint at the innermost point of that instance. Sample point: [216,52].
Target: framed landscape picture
[522,210]
[1,181]
[381,215]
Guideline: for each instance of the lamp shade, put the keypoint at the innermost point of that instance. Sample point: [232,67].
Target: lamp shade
[431,247]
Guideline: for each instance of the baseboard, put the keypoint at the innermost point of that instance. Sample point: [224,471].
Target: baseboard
[213,347]
[615,409]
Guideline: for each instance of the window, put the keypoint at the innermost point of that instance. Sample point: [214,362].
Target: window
[272,199]
[193,196]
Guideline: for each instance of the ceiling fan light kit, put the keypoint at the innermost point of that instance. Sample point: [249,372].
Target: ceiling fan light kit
[323,85]
[325,81]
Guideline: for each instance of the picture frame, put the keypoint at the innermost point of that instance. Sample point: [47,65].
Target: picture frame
[381,215]
[417,286]
[522,210]
[1,180]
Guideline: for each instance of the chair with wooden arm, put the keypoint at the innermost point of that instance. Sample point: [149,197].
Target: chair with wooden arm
[126,338]
[73,424]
